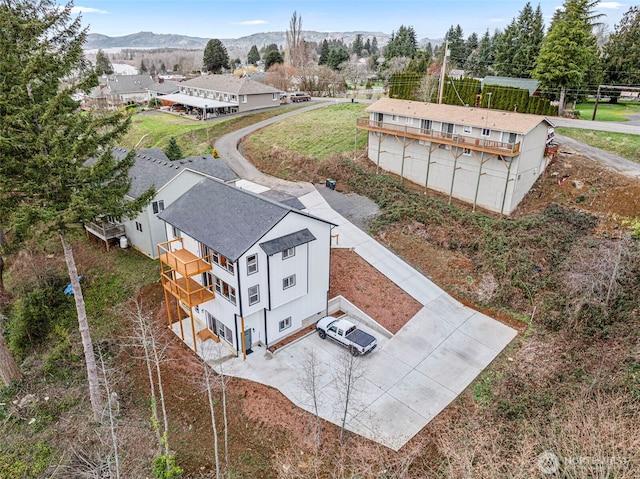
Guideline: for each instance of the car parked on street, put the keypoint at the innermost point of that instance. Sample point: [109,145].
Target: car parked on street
[299,96]
[345,333]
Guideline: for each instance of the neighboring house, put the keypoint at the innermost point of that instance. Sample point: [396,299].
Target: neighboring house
[161,88]
[485,157]
[115,91]
[170,179]
[249,270]
[221,94]
[529,84]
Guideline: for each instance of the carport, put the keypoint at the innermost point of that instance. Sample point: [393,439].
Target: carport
[210,107]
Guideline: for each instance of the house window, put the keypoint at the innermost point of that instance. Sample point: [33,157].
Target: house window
[289,282]
[175,232]
[222,261]
[252,264]
[284,324]
[157,206]
[218,327]
[244,98]
[254,295]
[467,152]
[288,253]
[486,132]
[394,117]
[222,288]
[274,96]
[425,125]
[466,129]
[409,120]
[139,226]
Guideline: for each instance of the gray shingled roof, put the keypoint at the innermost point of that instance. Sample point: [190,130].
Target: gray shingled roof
[165,88]
[119,84]
[152,168]
[229,84]
[278,245]
[225,218]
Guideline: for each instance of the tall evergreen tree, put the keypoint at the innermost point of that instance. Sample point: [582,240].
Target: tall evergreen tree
[215,56]
[374,46]
[143,68]
[357,46]
[337,56]
[367,46]
[517,48]
[103,64]
[271,58]
[569,53]
[324,53]
[456,45]
[44,185]
[253,56]
[485,56]
[621,55]
[403,43]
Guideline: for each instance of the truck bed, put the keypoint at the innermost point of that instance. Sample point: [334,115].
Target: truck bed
[360,338]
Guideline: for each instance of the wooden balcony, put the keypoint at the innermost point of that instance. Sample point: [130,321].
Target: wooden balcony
[187,290]
[105,231]
[184,262]
[443,138]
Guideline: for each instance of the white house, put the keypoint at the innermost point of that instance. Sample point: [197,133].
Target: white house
[170,179]
[489,158]
[247,270]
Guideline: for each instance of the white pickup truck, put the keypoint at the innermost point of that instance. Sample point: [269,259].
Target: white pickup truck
[346,333]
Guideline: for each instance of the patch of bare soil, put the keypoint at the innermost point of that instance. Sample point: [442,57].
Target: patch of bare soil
[578,182]
[371,291]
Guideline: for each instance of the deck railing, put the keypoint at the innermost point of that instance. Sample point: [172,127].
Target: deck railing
[463,141]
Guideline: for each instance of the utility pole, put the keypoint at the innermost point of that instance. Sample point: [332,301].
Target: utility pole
[442,71]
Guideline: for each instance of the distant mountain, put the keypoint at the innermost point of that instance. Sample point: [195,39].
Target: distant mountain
[236,47]
[146,40]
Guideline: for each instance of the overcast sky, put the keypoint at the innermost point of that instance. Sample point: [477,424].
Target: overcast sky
[238,18]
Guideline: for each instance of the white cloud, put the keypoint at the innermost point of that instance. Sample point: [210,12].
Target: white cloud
[87,10]
[252,22]
[610,5]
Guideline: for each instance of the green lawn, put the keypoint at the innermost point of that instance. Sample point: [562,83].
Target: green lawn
[621,144]
[153,129]
[319,133]
[608,111]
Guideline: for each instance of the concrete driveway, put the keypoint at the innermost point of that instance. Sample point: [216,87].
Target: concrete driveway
[410,377]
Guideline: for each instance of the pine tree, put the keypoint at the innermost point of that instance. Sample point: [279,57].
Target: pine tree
[374,46]
[271,58]
[367,46]
[143,68]
[253,56]
[173,151]
[357,46]
[569,53]
[44,184]
[403,43]
[324,53]
[215,57]
[456,45]
[103,65]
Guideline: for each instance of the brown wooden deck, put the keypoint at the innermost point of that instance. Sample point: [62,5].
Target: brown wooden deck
[443,138]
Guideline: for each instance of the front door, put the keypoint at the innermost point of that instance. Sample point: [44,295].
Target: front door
[247,340]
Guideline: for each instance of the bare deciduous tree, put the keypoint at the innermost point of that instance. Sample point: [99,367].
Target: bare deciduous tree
[309,382]
[427,88]
[349,371]
[295,49]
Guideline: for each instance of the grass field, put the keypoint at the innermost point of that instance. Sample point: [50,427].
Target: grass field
[608,112]
[319,133]
[621,144]
[153,129]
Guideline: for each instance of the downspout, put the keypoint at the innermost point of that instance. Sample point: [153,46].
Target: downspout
[266,337]
[379,135]
[269,282]
[239,296]
[404,150]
